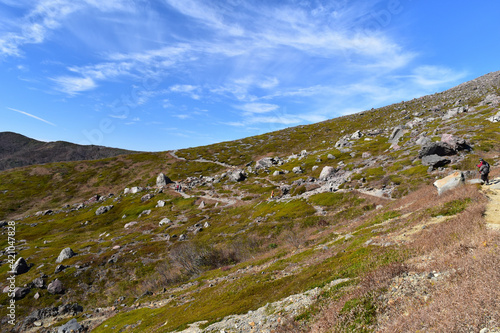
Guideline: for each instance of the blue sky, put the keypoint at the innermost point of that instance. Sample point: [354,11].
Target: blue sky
[167,74]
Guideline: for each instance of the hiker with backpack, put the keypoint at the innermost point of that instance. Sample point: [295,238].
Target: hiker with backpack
[484,170]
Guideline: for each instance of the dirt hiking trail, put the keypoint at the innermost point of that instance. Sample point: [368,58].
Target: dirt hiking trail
[492,215]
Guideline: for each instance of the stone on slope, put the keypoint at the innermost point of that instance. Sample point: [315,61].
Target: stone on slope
[327,173]
[297,169]
[20,266]
[39,282]
[71,326]
[435,161]
[455,142]
[65,254]
[450,182]
[21,292]
[237,176]
[162,180]
[436,148]
[103,209]
[55,287]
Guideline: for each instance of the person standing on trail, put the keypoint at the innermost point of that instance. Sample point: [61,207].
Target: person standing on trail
[484,170]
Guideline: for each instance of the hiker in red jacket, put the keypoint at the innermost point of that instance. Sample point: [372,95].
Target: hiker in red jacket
[484,170]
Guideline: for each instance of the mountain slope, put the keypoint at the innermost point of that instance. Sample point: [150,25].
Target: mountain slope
[17,150]
[330,227]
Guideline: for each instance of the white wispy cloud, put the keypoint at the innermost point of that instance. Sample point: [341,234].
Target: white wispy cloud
[74,85]
[32,116]
[252,108]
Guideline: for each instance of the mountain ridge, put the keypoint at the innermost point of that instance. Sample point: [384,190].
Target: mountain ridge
[17,150]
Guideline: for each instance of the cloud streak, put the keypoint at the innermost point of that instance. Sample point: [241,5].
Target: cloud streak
[32,116]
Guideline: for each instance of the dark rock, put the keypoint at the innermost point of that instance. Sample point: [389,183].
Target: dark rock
[103,209]
[435,161]
[55,287]
[147,197]
[20,266]
[65,254]
[237,176]
[113,259]
[436,148]
[60,268]
[20,292]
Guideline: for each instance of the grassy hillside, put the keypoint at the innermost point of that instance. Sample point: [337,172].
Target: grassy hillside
[383,249]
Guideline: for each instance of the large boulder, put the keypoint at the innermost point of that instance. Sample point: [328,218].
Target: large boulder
[20,266]
[435,161]
[55,287]
[450,182]
[65,254]
[436,148]
[327,173]
[162,180]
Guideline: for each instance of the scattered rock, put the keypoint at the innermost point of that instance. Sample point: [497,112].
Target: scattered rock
[65,254]
[164,221]
[20,292]
[145,212]
[36,296]
[103,209]
[397,133]
[20,266]
[147,197]
[55,287]
[182,237]
[60,268]
[160,203]
[202,205]
[237,176]
[495,118]
[39,282]
[297,169]
[71,326]
[130,224]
